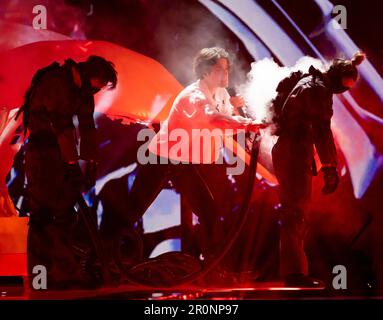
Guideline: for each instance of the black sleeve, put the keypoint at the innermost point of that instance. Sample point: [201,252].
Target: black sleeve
[323,137]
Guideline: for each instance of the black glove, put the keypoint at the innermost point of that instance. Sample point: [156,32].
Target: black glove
[331,180]
[73,173]
[90,174]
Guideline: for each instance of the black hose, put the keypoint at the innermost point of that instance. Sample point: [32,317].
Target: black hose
[233,235]
[92,227]
[236,230]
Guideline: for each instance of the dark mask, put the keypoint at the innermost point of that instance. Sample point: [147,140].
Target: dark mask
[337,86]
[339,70]
[337,89]
[86,85]
[94,90]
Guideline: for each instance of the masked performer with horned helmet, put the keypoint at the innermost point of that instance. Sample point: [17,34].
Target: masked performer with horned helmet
[303,109]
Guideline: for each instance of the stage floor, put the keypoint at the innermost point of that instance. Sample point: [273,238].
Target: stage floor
[255,291]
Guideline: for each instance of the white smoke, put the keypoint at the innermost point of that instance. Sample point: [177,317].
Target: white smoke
[259,91]
[262,82]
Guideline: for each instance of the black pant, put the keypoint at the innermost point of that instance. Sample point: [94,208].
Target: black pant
[52,198]
[292,163]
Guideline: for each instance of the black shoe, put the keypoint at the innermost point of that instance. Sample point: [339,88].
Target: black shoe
[302,281]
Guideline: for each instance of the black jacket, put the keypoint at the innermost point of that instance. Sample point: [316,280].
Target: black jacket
[57,96]
[306,119]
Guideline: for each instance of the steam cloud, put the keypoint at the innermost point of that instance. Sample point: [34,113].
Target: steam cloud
[262,83]
[259,91]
